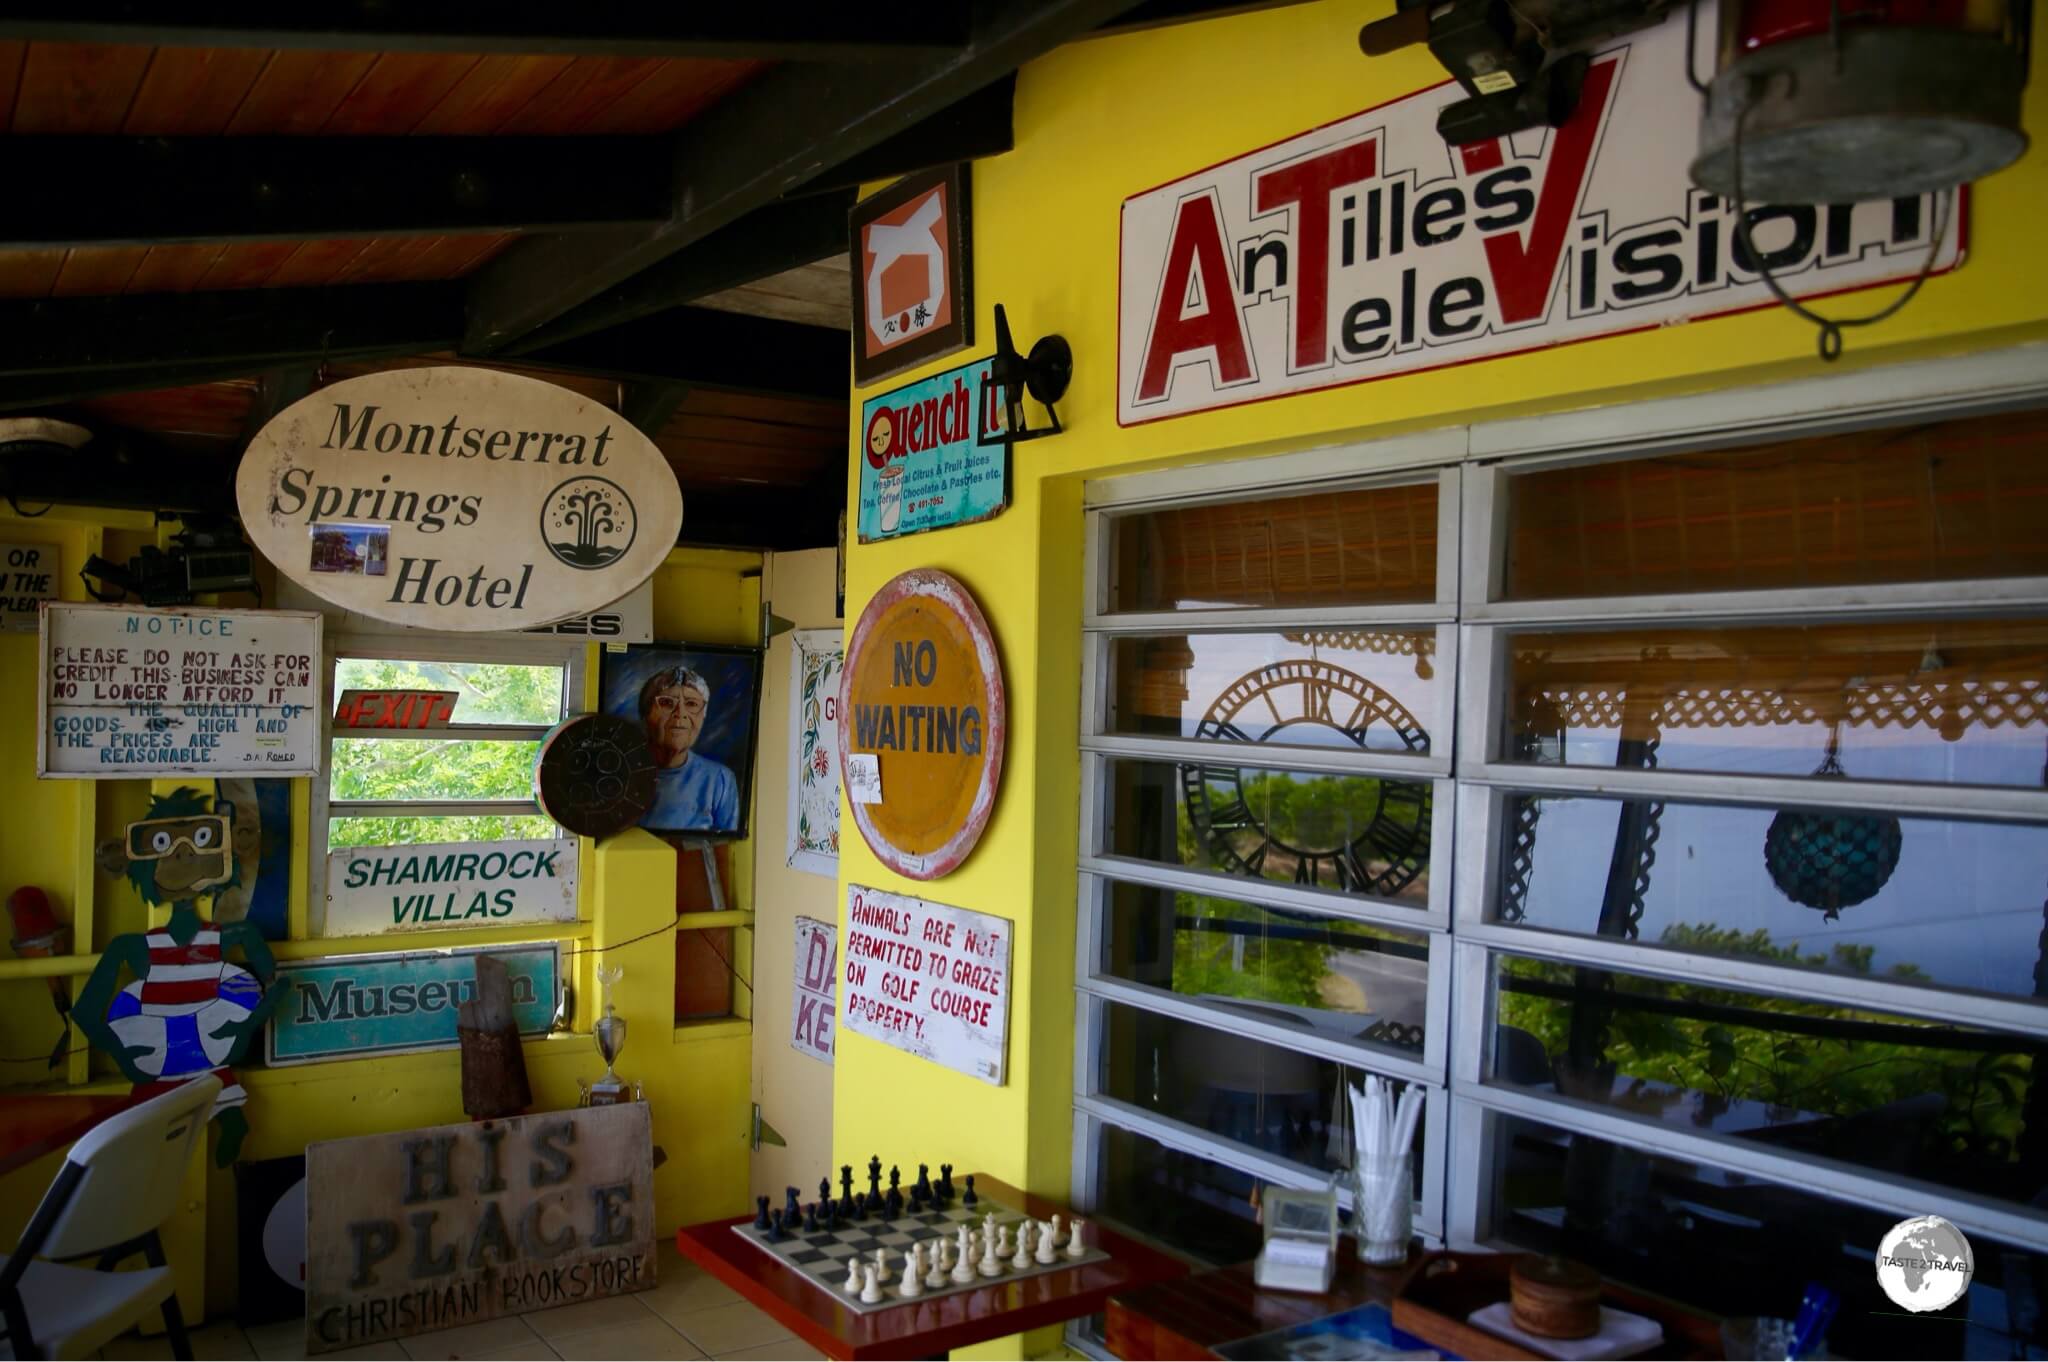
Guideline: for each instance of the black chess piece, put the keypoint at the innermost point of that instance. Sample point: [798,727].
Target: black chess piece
[924,1182]
[970,1198]
[824,1192]
[875,1177]
[831,1221]
[846,1190]
[945,1182]
[811,1218]
[792,1206]
[895,1177]
[860,1206]
[761,1215]
[916,1201]
[775,1234]
[895,1204]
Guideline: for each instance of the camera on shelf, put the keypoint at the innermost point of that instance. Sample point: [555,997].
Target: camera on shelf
[208,555]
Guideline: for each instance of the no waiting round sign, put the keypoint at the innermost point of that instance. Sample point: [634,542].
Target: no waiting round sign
[922,694]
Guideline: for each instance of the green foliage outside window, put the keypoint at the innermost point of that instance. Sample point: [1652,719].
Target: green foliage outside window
[444,768]
[1655,1057]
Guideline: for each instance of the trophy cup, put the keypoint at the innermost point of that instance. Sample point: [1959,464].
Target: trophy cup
[610,1035]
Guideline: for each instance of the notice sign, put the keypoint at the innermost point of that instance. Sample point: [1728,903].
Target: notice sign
[28,576]
[458,498]
[1367,247]
[817,969]
[373,890]
[922,465]
[131,694]
[929,979]
[395,1004]
[427,1229]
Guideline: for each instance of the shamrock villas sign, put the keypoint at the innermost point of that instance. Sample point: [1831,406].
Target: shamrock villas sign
[457,498]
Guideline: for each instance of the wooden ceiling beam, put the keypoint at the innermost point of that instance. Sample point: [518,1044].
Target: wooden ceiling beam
[981,125]
[771,239]
[814,31]
[708,348]
[150,191]
[772,136]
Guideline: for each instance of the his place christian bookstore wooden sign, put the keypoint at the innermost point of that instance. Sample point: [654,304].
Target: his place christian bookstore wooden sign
[456,498]
[427,1229]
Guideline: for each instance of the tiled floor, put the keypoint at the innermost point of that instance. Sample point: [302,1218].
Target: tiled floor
[689,1315]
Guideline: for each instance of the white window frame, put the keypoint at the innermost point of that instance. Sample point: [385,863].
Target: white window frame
[1473,784]
[537,651]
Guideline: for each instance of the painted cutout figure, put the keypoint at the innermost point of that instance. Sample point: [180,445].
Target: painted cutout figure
[188,1010]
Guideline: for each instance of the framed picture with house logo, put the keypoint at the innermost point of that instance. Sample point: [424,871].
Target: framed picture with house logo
[913,275]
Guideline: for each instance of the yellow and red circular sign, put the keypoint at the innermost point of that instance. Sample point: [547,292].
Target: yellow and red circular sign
[922,694]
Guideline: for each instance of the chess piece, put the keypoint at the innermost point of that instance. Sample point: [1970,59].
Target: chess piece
[874,1178]
[1022,1261]
[846,1190]
[870,1290]
[853,1276]
[811,1218]
[1075,1248]
[916,1201]
[963,1270]
[991,1265]
[945,1182]
[881,1265]
[775,1234]
[936,1277]
[792,1207]
[1046,1235]
[1059,1233]
[970,1198]
[824,1193]
[913,1273]
[924,1182]
[761,1214]
[860,1206]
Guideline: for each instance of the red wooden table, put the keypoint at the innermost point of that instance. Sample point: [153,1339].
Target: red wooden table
[36,1124]
[934,1327]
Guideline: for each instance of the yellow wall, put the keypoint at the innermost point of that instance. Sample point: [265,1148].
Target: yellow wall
[1096,122]
[696,1075]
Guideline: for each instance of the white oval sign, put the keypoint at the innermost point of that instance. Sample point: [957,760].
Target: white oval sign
[456,498]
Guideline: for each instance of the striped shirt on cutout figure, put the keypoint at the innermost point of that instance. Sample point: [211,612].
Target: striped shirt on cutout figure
[188,1009]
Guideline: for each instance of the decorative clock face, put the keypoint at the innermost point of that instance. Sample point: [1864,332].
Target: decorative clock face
[1361,834]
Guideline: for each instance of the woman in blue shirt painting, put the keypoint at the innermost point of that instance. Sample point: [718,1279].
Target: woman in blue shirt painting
[692,790]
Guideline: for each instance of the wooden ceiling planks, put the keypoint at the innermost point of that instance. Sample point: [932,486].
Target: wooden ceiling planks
[84,89]
[207,413]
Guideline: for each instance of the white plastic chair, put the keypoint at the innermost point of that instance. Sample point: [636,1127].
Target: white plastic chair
[119,1184]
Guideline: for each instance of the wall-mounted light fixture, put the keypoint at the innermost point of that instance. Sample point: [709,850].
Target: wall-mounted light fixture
[1044,373]
[35,437]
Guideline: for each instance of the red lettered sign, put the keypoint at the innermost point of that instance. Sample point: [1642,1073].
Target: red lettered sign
[813,1017]
[1368,247]
[361,709]
[929,979]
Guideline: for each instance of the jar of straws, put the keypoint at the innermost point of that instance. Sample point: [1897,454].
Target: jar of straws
[1383,1196]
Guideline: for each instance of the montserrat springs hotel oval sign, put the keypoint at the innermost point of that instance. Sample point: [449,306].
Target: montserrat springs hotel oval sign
[454,498]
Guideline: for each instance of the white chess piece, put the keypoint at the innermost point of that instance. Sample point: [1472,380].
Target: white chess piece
[913,1273]
[869,1291]
[881,1265]
[853,1275]
[963,1270]
[990,1266]
[1046,1235]
[1002,1241]
[1075,1248]
[936,1278]
[1022,1262]
[1059,1235]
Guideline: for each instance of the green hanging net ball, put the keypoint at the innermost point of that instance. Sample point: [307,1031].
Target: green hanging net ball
[1831,861]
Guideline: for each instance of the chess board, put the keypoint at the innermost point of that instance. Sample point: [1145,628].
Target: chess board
[821,1258]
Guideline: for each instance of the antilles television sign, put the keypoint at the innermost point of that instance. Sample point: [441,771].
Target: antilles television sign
[1368,248]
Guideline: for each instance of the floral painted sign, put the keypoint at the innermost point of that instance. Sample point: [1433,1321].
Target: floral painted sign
[816,659]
